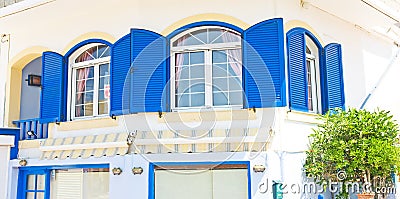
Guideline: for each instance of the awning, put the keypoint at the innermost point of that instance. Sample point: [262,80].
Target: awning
[85,146]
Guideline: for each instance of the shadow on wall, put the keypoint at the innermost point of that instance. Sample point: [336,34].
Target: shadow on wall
[30,95]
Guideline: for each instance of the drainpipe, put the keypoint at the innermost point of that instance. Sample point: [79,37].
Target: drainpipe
[392,61]
[4,61]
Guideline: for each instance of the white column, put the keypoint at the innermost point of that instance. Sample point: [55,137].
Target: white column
[4,58]
[6,142]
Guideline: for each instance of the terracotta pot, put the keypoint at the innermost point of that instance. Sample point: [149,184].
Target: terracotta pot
[365,196]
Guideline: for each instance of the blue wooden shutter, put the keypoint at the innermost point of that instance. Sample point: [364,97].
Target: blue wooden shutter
[149,72]
[53,95]
[120,78]
[263,65]
[334,89]
[296,52]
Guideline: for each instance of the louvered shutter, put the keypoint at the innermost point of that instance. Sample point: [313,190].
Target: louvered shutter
[120,76]
[296,50]
[334,92]
[263,65]
[53,94]
[149,72]
[69,185]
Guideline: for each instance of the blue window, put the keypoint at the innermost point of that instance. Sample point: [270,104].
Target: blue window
[34,184]
[74,181]
[315,73]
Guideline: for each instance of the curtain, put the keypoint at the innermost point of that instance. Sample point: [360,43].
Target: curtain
[83,74]
[234,56]
[179,59]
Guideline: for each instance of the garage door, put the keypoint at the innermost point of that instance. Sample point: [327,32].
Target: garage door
[212,183]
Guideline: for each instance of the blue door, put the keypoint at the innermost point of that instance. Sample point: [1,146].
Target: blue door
[34,184]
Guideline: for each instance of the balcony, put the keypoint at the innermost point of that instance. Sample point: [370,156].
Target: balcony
[32,129]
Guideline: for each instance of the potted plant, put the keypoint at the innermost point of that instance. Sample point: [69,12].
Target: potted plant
[354,146]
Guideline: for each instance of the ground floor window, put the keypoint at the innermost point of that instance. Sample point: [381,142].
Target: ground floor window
[201,182]
[80,184]
[64,183]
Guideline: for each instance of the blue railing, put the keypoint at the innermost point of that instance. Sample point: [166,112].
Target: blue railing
[32,129]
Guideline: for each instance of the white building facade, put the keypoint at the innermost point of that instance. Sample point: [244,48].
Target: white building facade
[183,99]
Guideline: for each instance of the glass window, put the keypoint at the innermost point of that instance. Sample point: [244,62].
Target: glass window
[91,88]
[208,69]
[312,71]
[35,186]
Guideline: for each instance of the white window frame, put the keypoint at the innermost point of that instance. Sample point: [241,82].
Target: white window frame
[73,67]
[207,49]
[315,76]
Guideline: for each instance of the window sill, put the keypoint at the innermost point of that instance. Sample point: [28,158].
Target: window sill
[305,117]
[87,123]
[212,115]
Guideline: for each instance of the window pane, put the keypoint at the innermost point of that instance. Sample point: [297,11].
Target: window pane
[79,111]
[235,98]
[91,72]
[96,184]
[220,84]
[104,81]
[182,86]
[79,98]
[201,35]
[181,59]
[190,40]
[30,195]
[196,58]
[219,70]
[104,51]
[88,97]
[104,69]
[89,85]
[220,98]
[182,100]
[197,86]
[31,181]
[198,99]
[197,71]
[219,56]
[40,182]
[89,110]
[103,108]
[183,73]
[235,84]
[40,195]
[214,35]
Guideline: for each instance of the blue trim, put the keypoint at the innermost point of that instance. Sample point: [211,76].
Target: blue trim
[85,42]
[153,164]
[204,23]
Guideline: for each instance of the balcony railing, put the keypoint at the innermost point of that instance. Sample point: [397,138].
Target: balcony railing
[5,3]
[32,129]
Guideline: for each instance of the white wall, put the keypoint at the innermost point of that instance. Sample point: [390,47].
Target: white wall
[5,143]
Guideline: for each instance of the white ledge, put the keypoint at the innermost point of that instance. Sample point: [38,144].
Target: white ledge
[84,146]
[245,139]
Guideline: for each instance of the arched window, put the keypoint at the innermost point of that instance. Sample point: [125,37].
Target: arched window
[207,68]
[313,80]
[90,87]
